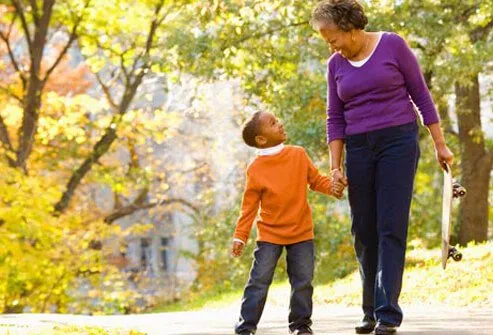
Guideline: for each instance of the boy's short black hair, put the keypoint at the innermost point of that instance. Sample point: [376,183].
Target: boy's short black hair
[251,129]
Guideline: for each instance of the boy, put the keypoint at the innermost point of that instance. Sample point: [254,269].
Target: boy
[276,182]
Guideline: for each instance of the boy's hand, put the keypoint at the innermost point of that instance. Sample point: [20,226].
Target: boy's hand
[237,248]
[337,190]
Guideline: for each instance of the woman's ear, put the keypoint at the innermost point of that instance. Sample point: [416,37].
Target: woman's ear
[260,140]
[353,32]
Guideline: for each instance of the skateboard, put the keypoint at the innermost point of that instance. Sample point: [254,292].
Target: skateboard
[451,190]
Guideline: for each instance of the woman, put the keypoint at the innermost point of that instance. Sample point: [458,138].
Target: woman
[371,78]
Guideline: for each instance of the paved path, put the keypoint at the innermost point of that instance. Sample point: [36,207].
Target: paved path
[425,320]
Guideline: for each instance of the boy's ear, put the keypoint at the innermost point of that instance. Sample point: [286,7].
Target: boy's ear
[260,140]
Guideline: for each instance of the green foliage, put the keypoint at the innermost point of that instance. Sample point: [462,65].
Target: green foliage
[47,258]
[280,62]
[43,257]
[333,242]
[32,266]
[216,268]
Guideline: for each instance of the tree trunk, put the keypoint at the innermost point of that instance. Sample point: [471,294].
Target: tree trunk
[32,104]
[99,150]
[476,163]
[32,97]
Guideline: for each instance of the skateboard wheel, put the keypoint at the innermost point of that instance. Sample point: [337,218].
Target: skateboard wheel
[455,254]
[458,190]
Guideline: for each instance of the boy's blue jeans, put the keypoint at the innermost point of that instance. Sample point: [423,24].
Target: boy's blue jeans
[381,166]
[300,261]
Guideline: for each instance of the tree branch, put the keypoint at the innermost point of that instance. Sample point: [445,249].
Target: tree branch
[106,91]
[124,70]
[34,6]
[264,33]
[20,11]
[73,36]
[195,168]
[480,32]
[15,64]
[104,144]
[149,43]
[132,208]
[5,138]
[11,94]
[100,148]
[34,87]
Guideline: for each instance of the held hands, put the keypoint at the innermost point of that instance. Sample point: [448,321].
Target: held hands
[237,248]
[339,182]
[337,190]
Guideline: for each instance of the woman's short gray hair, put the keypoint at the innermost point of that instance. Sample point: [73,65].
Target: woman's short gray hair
[345,14]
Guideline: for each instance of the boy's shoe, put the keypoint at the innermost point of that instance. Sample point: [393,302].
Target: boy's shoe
[366,326]
[246,333]
[303,330]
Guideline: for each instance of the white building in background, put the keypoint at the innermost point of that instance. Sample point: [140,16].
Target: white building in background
[213,113]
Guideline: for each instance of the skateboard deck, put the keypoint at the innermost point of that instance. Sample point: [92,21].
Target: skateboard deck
[451,190]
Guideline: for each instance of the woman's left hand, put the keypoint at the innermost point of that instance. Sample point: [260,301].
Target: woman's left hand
[444,155]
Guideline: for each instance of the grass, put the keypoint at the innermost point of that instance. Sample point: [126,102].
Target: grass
[465,283]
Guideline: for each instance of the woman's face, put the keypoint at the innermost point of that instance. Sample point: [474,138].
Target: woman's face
[338,40]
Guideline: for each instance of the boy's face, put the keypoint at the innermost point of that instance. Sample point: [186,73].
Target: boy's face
[271,131]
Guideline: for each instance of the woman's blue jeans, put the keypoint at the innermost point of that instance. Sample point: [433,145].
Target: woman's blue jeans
[300,259]
[381,167]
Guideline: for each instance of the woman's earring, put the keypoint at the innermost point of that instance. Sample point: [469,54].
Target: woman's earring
[352,37]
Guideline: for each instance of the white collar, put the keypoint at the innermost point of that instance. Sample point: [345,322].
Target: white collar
[270,151]
[360,63]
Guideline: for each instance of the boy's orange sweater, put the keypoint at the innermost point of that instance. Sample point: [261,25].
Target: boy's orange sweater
[278,185]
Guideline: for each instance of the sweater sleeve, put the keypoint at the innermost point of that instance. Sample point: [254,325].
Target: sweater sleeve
[317,182]
[415,82]
[249,209]
[336,123]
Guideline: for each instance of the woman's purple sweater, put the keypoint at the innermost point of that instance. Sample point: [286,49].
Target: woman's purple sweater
[378,94]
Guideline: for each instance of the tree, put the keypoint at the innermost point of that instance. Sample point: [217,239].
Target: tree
[280,59]
[119,55]
[74,132]
[455,41]
[35,20]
